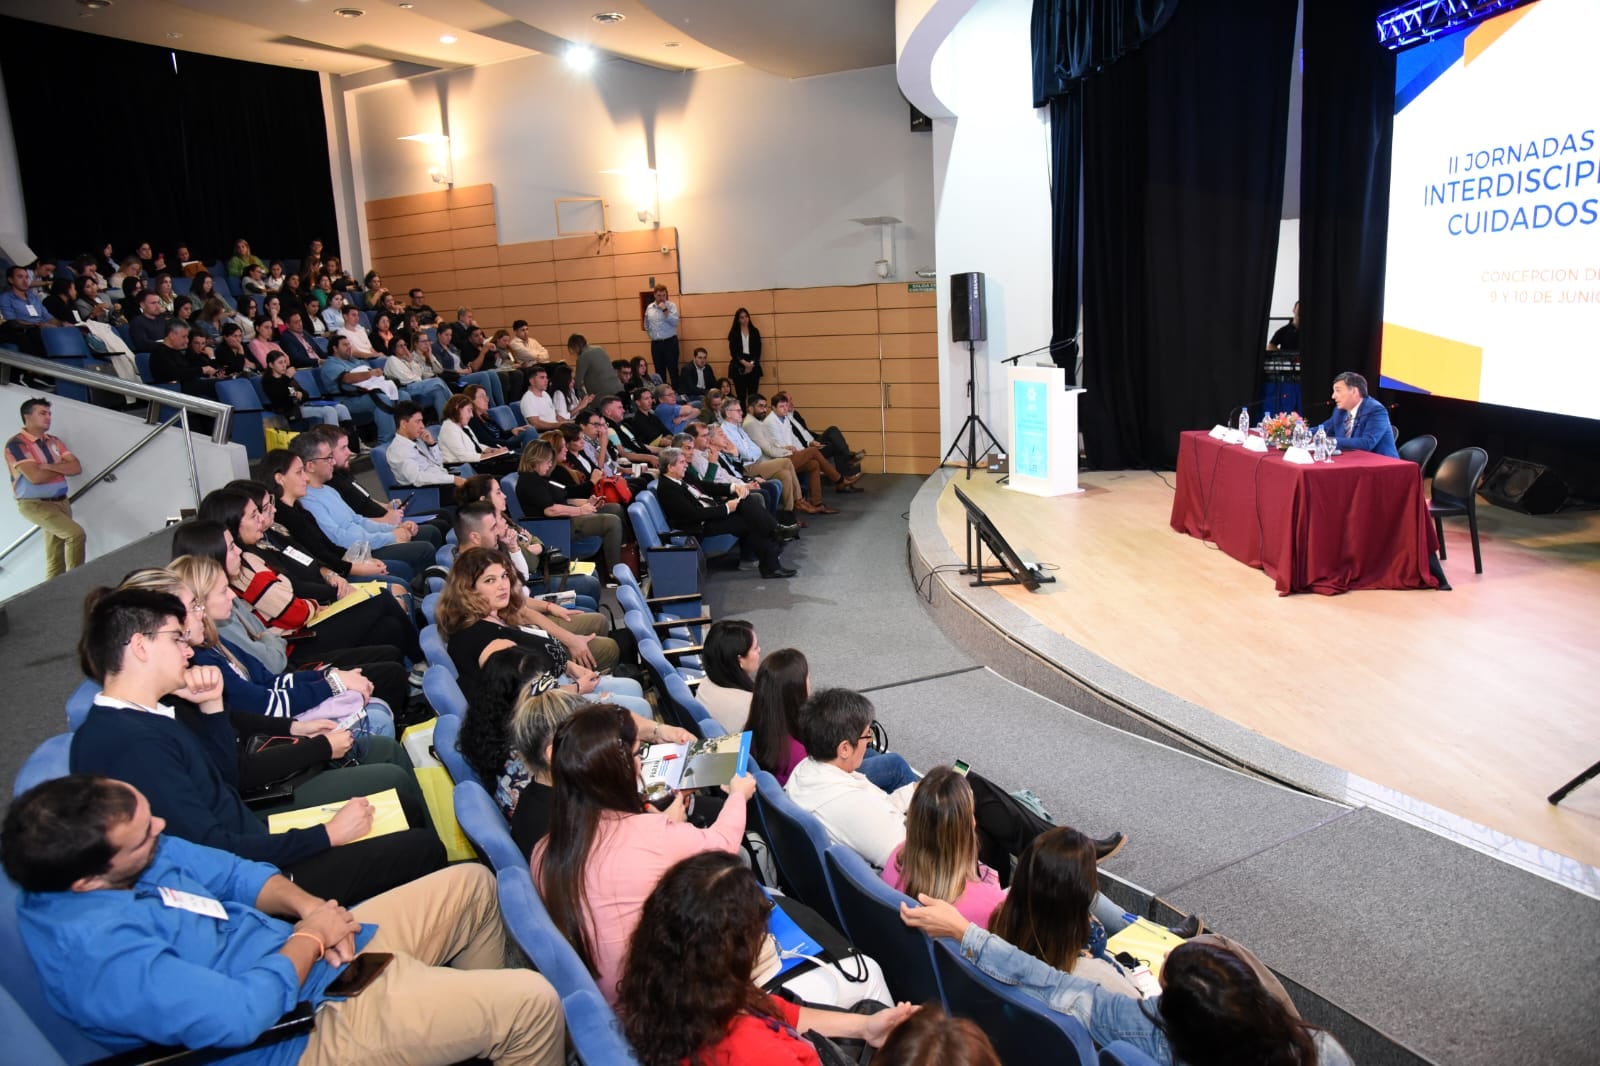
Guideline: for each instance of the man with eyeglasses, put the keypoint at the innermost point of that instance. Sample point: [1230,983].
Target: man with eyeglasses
[342,525]
[352,492]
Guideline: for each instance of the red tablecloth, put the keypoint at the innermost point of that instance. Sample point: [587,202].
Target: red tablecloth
[1360,522]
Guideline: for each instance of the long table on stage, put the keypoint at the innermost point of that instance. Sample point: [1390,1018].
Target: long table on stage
[1360,522]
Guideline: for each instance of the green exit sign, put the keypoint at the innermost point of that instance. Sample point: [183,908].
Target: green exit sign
[920,286]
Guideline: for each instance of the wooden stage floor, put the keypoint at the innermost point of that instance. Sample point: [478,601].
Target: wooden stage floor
[1479,701]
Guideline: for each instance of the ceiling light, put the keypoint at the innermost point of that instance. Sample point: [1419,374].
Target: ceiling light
[580,57]
[95,5]
[173,36]
[608,18]
[448,38]
[672,44]
[407,7]
[348,12]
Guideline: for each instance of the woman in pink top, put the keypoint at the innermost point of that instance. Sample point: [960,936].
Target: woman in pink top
[265,342]
[606,849]
[940,855]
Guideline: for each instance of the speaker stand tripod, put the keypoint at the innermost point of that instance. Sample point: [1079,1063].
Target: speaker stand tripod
[1584,778]
[973,423]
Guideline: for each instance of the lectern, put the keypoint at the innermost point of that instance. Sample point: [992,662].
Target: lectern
[1044,431]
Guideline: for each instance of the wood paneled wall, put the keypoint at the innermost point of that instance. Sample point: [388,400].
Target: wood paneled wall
[861,357]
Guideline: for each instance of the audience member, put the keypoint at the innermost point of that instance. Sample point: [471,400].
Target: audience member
[697,379]
[146,329]
[732,654]
[172,360]
[483,609]
[779,432]
[606,848]
[359,387]
[121,961]
[540,409]
[414,458]
[685,992]
[343,441]
[523,547]
[265,342]
[835,728]
[338,521]
[642,377]
[242,259]
[627,443]
[528,351]
[930,1037]
[661,324]
[744,355]
[460,446]
[39,465]
[286,399]
[351,328]
[542,495]
[1218,1002]
[133,644]
[594,375]
[426,315]
[670,412]
[720,509]
[748,455]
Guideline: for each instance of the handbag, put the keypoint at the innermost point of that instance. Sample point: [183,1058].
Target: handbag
[614,490]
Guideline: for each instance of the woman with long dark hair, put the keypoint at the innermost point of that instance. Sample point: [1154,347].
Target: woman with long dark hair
[744,355]
[586,587]
[607,849]
[782,686]
[731,656]
[1218,1004]
[686,993]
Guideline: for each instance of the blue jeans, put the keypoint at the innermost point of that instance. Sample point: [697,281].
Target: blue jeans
[430,392]
[363,405]
[324,413]
[887,770]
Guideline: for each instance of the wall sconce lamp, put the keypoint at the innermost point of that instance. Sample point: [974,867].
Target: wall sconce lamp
[443,170]
[644,192]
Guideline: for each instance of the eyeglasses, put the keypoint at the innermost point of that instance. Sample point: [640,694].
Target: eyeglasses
[179,638]
[865,738]
[320,459]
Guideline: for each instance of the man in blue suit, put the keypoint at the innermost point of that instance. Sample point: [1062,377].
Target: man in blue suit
[1359,422]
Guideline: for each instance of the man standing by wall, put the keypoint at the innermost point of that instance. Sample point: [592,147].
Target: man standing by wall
[661,323]
[39,466]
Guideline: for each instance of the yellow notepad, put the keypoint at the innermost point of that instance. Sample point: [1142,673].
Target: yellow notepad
[358,594]
[581,569]
[1145,941]
[387,816]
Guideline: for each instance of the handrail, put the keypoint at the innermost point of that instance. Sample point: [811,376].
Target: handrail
[219,412]
[51,368]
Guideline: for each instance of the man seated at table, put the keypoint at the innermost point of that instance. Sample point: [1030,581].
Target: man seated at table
[1360,423]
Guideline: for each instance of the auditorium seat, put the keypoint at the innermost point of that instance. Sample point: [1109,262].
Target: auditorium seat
[1022,1029]
[798,844]
[1420,450]
[446,733]
[49,761]
[423,500]
[480,818]
[443,694]
[870,911]
[1455,492]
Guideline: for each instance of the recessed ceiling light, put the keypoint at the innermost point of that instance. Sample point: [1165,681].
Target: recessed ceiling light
[407,7]
[608,18]
[580,57]
[348,12]
[448,38]
[673,44]
[173,36]
[95,5]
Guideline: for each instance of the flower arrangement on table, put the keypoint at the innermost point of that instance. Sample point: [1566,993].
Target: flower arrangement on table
[1279,429]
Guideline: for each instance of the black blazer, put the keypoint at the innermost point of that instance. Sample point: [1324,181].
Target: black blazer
[736,350]
[694,381]
[683,510]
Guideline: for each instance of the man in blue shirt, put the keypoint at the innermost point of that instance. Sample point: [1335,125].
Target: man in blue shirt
[1359,422]
[141,939]
[341,375]
[21,304]
[340,523]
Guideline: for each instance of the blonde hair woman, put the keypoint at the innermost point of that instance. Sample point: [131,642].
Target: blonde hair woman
[940,855]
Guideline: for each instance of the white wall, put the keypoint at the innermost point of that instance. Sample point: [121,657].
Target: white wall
[992,194]
[760,174]
[149,487]
[13,217]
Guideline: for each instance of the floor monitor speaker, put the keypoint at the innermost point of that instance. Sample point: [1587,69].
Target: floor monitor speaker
[1525,486]
[966,307]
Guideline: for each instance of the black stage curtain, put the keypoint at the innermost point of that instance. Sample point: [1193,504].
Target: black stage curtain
[126,142]
[1183,148]
[1066,167]
[1072,38]
[1347,127]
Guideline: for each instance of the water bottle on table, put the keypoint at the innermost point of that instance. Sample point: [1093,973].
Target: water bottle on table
[1244,422]
[1320,446]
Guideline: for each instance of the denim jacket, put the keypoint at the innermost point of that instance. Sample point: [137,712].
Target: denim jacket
[1106,1015]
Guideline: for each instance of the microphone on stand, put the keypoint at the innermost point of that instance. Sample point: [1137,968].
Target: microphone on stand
[1071,343]
[1234,411]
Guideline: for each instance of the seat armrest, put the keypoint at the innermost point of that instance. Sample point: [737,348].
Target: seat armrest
[297,1021]
[678,623]
[693,649]
[656,601]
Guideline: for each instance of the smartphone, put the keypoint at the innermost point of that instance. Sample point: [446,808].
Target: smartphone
[404,501]
[961,768]
[359,974]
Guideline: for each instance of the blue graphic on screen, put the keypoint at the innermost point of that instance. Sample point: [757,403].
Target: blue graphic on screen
[1030,455]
